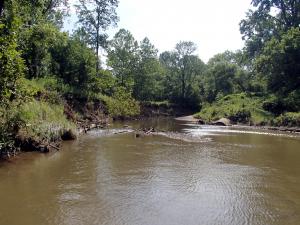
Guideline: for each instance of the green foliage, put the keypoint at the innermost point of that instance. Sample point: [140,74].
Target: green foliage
[37,11]
[7,129]
[183,73]
[239,108]
[280,63]
[288,119]
[96,16]
[34,119]
[148,78]
[37,43]
[74,63]
[273,105]
[121,104]
[42,120]
[267,20]
[225,74]
[219,80]
[123,58]
[11,63]
[46,89]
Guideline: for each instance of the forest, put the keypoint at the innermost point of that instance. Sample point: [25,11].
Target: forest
[42,68]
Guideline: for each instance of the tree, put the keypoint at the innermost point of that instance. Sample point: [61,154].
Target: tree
[262,24]
[148,78]
[183,63]
[171,82]
[37,41]
[186,62]
[279,63]
[32,12]
[123,57]
[219,80]
[96,16]
[11,63]
[288,14]
[183,70]
[74,63]
[241,78]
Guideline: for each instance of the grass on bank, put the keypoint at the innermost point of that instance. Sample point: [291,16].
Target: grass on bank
[37,112]
[35,119]
[240,108]
[43,120]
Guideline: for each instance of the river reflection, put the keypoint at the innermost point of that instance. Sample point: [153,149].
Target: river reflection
[189,175]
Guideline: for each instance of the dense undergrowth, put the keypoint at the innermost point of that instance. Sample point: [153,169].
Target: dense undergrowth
[247,109]
[39,113]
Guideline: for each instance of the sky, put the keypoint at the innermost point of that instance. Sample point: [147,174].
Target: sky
[212,24]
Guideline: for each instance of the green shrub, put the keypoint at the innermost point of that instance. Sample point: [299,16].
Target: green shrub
[289,119]
[273,105]
[121,104]
[11,63]
[240,108]
[45,89]
[240,116]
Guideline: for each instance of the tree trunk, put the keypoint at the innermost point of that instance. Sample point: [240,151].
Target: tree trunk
[1,7]
[183,85]
[97,53]
[97,41]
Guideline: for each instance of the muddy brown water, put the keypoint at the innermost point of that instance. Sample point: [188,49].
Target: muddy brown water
[189,175]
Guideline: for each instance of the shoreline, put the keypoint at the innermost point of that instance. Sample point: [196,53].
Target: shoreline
[192,119]
[30,145]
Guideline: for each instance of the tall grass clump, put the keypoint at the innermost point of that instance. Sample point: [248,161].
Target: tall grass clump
[43,120]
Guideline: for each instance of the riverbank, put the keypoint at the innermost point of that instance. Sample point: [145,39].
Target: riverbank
[83,115]
[245,108]
[43,122]
[227,122]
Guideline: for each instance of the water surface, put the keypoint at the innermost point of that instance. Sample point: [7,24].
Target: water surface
[188,175]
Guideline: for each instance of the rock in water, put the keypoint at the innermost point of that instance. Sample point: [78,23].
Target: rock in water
[201,122]
[222,122]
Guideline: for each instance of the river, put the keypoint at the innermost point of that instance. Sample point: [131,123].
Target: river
[187,175]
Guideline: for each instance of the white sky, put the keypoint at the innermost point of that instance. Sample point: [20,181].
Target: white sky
[212,24]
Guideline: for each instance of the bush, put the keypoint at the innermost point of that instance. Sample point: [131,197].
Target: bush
[289,119]
[121,104]
[239,108]
[11,63]
[273,105]
[45,89]
[6,131]
[240,116]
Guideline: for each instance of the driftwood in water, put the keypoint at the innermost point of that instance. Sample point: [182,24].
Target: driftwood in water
[52,146]
[139,132]
[144,132]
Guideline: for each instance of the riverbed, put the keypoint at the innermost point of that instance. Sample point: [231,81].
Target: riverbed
[185,174]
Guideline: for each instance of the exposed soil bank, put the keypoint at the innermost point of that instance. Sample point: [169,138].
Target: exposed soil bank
[86,115]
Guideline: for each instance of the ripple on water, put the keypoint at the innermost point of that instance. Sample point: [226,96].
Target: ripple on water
[207,130]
